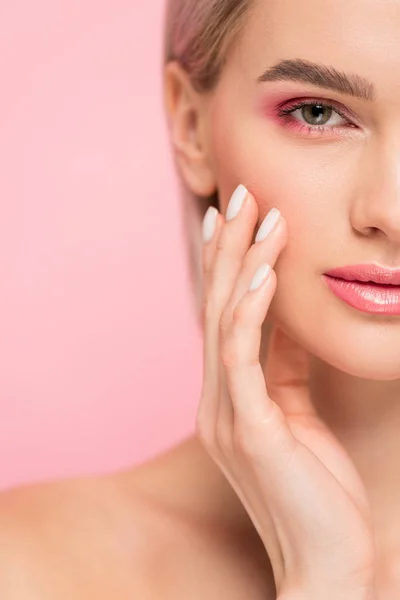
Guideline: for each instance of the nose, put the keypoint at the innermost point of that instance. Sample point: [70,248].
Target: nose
[376,210]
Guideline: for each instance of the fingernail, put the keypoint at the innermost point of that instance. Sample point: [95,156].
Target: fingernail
[209,224]
[268,224]
[260,276]
[236,201]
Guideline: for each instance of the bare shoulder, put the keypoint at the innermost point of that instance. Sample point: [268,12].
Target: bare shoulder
[75,538]
[152,532]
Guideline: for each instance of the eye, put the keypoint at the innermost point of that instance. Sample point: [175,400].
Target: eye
[317,116]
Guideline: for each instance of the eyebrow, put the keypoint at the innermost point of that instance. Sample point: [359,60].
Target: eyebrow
[322,76]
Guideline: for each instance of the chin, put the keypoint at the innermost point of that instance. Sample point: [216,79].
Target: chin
[361,345]
[363,362]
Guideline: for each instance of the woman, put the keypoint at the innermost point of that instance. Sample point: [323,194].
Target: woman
[284,121]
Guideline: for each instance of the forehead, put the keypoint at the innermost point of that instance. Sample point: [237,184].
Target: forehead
[362,36]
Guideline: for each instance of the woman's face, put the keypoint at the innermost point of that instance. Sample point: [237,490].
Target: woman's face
[334,174]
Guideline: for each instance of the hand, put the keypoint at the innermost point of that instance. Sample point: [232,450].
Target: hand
[297,483]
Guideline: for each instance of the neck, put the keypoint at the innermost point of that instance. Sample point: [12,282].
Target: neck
[364,415]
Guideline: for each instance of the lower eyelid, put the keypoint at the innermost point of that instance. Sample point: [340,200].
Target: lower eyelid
[314,131]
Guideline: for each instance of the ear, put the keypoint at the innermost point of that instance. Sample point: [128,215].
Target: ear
[186,120]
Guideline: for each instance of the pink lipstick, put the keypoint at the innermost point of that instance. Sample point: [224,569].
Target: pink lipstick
[367,287]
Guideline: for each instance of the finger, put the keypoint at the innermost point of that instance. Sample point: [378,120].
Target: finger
[223,264]
[260,427]
[232,245]
[265,250]
[212,225]
[240,237]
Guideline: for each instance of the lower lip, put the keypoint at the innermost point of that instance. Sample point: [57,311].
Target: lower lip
[367,297]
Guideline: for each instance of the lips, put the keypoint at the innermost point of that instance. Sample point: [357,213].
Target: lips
[367,273]
[368,288]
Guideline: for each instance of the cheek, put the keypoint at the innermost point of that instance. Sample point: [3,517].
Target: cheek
[306,183]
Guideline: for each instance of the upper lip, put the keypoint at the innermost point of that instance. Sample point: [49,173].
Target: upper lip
[367,272]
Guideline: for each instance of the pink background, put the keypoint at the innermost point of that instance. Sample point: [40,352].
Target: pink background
[100,354]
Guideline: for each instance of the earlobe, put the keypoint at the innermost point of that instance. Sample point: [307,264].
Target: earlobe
[185,116]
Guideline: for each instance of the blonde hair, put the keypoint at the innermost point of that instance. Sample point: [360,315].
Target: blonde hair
[198,34]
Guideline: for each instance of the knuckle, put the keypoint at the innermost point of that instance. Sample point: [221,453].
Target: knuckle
[209,307]
[230,353]
[238,314]
[220,244]
[225,323]
[232,319]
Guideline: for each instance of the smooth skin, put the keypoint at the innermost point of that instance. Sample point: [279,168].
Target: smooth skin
[278,456]
[285,465]
[111,536]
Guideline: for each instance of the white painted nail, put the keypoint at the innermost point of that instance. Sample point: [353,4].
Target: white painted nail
[268,224]
[236,201]
[260,276]
[209,223]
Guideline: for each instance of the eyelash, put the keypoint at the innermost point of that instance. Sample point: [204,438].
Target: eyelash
[285,114]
